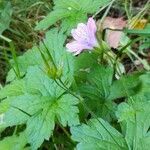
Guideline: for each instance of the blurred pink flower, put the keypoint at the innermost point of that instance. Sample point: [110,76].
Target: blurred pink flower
[85,37]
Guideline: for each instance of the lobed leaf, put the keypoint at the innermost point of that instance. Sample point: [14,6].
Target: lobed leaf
[134,118]
[98,134]
[40,107]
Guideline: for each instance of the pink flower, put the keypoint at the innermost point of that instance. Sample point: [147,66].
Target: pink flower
[85,37]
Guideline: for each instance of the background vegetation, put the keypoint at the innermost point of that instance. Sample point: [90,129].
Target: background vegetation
[50,99]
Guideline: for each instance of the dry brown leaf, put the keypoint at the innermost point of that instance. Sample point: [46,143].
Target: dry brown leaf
[113,37]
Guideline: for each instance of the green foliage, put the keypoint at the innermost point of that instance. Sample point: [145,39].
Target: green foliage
[135,121]
[37,99]
[41,105]
[30,58]
[98,134]
[97,91]
[82,66]
[14,142]
[70,13]
[100,90]
[25,4]
[54,42]
[143,32]
[126,86]
[145,44]
[14,89]
[60,101]
[5,15]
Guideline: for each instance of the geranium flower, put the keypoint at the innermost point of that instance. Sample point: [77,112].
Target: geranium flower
[84,37]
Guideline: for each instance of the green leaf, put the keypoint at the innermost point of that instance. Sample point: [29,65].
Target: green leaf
[97,89]
[52,18]
[4,105]
[98,134]
[5,15]
[144,45]
[83,65]
[44,112]
[62,110]
[145,32]
[126,86]
[38,83]
[14,89]
[134,118]
[145,82]
[30,58]
[41,106]
[142,32]
[54,42]
[71,13]
[100,90]
[14,142]
[99,82]
[63,60]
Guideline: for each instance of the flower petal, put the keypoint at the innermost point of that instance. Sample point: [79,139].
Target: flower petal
[81,33]
[91,25]
[76,47]
[85,37]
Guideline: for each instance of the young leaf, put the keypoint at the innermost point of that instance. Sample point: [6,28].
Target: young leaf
[96,135]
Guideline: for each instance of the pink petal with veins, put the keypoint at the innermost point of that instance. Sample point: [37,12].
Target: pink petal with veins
[81,33]
[76,47]
[85,37]
[91,25]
